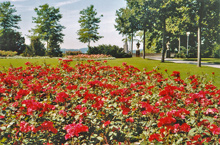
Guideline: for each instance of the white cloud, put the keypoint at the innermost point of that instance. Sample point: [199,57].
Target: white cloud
[66,3]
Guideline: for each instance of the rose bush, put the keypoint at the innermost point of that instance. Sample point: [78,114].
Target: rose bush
[93,103]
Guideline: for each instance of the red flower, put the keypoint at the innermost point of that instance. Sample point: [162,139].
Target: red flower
[176,74]
[155,136]
[107,123]
[61,97]
[130,119]
[185,127]
[74,129]
[47,126]
[166,121]
[214,129]
[125,109]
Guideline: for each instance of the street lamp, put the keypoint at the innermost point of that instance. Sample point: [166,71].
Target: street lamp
[187,34]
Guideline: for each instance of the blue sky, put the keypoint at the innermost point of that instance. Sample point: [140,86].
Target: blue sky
[70,10]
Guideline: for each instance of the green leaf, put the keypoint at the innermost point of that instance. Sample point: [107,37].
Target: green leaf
[179,141]
[192,132]
[100,138]
[3,140]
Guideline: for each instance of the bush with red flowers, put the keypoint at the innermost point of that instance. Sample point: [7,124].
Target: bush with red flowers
[93,103]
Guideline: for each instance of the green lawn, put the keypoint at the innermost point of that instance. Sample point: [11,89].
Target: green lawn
[208,60]
[184,69]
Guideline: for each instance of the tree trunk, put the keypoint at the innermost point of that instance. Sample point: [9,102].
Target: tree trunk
[199,33]
[144,45]
[89,43]
[199,47]
[179,44]
[132,40]
[164,45]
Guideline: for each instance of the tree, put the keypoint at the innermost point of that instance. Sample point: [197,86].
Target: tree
[89,25]
[142,16]
[10,39]
[8,20]
[204,14]
[37,46]
[48,28]
[126,23]
[179,22]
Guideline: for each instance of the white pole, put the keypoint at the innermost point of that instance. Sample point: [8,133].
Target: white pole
[187,33]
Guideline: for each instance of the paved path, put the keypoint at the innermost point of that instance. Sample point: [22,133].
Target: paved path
[184,61]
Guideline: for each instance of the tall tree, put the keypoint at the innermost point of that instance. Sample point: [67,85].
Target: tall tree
[162,9]
[144,21]
[48,28]
[205,16]
[179,22]
[10,39]
[126,23]
[89,25]
[8,19]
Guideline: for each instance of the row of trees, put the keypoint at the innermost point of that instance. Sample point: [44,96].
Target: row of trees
[47,35]
[47,30]
[169,20]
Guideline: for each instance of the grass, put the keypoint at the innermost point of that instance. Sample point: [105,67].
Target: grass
[208,60]
[21,62]
[184,69]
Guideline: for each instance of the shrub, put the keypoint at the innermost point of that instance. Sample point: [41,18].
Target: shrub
[73,52]
[114,51]
[7,53]
[180,55]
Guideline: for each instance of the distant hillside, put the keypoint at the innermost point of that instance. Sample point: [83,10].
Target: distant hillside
[83,50]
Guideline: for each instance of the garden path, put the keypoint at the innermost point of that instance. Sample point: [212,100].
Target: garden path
[184,61]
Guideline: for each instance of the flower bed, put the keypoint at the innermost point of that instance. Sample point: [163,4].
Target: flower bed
[94,103]
[90,57]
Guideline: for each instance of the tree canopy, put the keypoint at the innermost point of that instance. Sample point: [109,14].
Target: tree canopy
[48,28]
[89,25]
[10,39]
[170,20]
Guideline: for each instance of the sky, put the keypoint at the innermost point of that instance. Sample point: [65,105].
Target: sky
[70,11]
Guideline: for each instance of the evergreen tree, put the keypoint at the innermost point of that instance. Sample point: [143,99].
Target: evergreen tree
[89,25]
[48,28]
[10,39]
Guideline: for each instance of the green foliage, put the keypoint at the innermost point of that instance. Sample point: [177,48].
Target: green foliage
[114,51]
[171,19]
[28,52]
[48,28]
[10,40]
[37,46]
[7,53]
[73,52]
[89,25]
[8,19]
[216,51]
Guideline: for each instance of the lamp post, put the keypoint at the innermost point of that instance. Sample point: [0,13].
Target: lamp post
[187,34]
